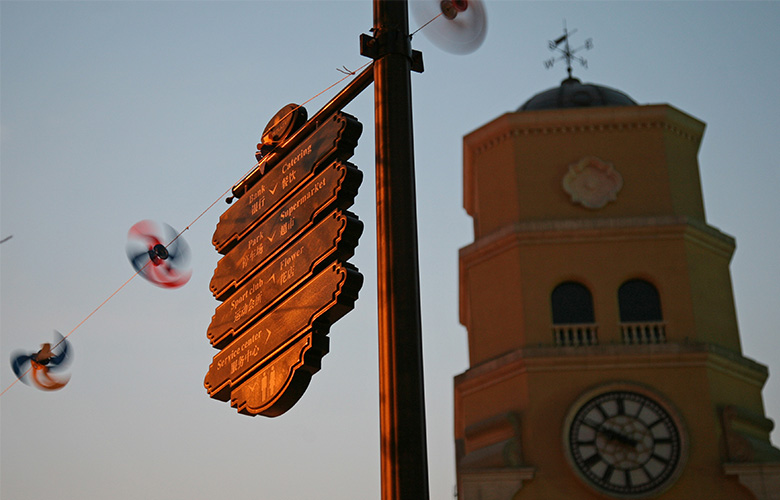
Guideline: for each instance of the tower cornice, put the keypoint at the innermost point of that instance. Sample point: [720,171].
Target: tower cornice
[600,120]
[584,230]
[606,357]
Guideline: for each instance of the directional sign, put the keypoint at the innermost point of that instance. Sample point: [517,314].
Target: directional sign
[283,279]
[334,140]
[333,238]
[311,309]
[280,383]
[335,187]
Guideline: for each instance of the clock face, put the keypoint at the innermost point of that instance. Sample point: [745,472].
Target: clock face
[625,444]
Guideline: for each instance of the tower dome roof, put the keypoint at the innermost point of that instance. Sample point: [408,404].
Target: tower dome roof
[574,94]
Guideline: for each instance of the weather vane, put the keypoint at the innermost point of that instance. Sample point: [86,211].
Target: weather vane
[566,51]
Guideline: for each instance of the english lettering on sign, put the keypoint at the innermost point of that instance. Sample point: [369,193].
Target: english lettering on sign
[333,238]
[283,279]
[334,188]
[334,140]
[312,308]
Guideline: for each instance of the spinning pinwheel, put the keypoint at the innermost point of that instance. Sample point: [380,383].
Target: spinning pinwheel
[462,29]
[159,254]
[36,366]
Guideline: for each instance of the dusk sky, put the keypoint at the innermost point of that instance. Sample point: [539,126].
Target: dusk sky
[116,112]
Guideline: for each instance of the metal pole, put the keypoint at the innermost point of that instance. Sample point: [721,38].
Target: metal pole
[401,397]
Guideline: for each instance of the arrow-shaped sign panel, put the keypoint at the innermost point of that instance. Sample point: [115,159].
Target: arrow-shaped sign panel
[334,188]
[311,309]
[334,238]
[334,140]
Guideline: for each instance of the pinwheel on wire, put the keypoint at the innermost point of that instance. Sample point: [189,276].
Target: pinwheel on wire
[36,368]
[159,254]
[461,28]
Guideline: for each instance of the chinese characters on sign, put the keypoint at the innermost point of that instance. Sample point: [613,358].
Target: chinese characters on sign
[284,278]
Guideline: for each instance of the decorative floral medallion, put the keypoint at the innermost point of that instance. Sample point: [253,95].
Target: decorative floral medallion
[592,182]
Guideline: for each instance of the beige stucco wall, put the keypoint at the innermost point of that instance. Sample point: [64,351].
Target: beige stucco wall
[545,383]
[530,236]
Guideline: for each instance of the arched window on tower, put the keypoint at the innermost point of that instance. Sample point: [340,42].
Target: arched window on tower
[641,321]
[574,322]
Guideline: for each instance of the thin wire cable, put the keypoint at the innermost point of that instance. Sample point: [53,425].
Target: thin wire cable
[424,25]
[15,381]
[197,218]
[79,325]
[336,83]
[347,75]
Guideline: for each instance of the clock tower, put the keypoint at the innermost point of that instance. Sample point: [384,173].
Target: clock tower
[604,354]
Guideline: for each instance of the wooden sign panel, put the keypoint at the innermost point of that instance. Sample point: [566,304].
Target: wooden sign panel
[283,279]
[334,188]
[334,238]
[310,310]
[334,140]
[281,383]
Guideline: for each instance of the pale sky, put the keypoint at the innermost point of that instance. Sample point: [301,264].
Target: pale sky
[114,112]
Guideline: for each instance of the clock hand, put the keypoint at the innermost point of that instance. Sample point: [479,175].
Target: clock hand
[621,438]
[592,424]
[611,434]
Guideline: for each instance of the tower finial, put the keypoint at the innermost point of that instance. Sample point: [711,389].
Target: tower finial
[567,52]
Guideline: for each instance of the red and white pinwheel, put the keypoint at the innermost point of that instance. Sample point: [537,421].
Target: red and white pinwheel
[159,254]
